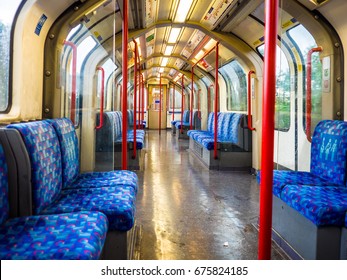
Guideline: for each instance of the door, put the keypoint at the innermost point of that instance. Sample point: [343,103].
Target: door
[157,107]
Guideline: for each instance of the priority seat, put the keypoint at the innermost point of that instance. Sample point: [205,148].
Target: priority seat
[328,159]
[70,236]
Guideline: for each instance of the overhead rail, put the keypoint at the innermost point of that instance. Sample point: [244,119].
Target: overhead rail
[249,89]
[268,126]
[74,80]
[309,91]
[135,98]
[125,82]
[102,93]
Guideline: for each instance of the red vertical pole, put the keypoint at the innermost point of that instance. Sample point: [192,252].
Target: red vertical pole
[102,97]
[216,102]
[125,87]
[159,103]
[267,147]
[139,110]
[74,80]
[143,100]
[182,104]
[135,99]
[191,102]
[173,103]
[250,100]
[199,96]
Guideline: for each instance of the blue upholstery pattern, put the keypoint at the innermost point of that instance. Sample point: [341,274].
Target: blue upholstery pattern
[43,147]
[227,130]
[329,151]
[105,179]
[282,178]
[4,205]
[73,236]
[117,203]
[69,148]
[70,162]
[321,205]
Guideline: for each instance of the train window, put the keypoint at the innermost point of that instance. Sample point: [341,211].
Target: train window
[305,42]
[73,80]
[178,99]
[8,10]
[282,106]
[109,67]
[236,83]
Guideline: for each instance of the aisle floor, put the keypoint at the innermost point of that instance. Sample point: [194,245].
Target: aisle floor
[187,212]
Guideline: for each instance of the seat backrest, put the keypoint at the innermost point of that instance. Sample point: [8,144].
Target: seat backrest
[4,203]
[186,115]
[224,126]
[329,151]
[210,122]
[43,148]
[68,141]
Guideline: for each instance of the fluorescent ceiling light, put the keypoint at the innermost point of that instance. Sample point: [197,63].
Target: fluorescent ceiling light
[168,50]
[182,10]
[161,70]
[200,55]
[210,44]
[164,61]
[174,35]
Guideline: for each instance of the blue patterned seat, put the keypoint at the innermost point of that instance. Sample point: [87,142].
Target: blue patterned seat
[328,159]
[322,205]
[77,236]
[227,130]
[70,162]
[41,141]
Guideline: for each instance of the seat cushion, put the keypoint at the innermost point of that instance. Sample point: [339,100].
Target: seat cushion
[105,179]
[73,236]
[117,203]
[322,205]
[282,178]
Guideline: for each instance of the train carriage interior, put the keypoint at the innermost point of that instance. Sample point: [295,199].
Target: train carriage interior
[142,127]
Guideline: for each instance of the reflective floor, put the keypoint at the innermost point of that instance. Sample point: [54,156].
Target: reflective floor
[186,212]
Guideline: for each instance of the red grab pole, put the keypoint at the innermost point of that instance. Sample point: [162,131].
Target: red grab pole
[267,147]
[125,82]
[143,101]
[215,155]
[140,105]
[102,97]
[182,109]
[135,99]
[159,103]
[250,101]
[74,80]
[309,91]
[191,102]
[173,103]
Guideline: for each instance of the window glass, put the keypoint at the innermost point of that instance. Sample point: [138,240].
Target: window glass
[236,83]
[178,98]
[7,12]
[72,82]
[306,42]
[282,105]
[109,67]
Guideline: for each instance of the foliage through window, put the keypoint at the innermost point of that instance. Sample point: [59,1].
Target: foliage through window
[7,12]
